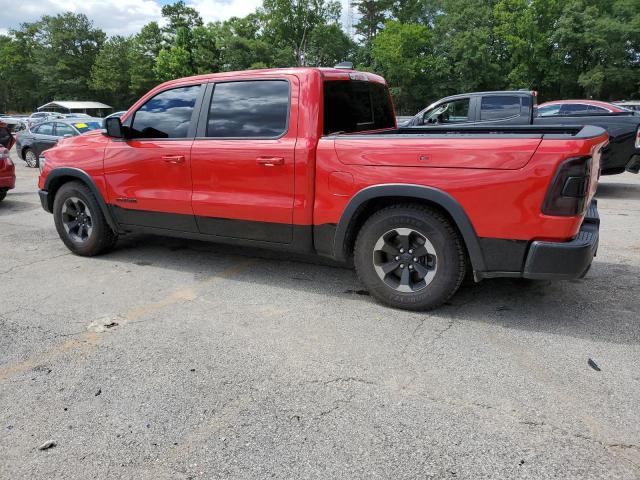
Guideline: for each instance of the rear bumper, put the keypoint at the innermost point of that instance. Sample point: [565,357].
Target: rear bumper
[566,260]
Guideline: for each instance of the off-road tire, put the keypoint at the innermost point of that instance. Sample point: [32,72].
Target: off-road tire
[101,238]
[443,238]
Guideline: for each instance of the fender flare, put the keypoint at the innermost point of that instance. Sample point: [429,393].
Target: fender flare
[81,175]
[430,194]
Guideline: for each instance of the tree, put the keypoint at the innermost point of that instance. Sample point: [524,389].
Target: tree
[464,31]
[66,48]
[373,14]
[178,16]
[111,72]
[145,48]
[289,23]
[407,57]
[328,45]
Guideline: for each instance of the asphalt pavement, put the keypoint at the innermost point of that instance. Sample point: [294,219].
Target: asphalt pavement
[175,359]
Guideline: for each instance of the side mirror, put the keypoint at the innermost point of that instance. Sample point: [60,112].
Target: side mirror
[113,126]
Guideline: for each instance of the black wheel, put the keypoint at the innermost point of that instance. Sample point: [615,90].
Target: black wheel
[3,194]
[80,221]
[410,257]
[30,158]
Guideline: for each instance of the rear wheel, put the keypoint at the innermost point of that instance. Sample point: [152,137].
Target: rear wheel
[3,194]
[80,222]
[30,158]
[410,257]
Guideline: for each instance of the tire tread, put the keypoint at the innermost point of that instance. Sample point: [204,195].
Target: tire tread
[450,232]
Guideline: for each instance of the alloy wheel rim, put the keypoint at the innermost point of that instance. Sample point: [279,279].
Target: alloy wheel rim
[31,158]
[77,219]
[405,260]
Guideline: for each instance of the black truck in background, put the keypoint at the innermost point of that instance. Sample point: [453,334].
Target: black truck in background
[509,108]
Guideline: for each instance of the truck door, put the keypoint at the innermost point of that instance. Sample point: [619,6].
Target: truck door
[243,159]
[148,174]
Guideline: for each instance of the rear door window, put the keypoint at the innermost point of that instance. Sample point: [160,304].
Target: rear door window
[499,107]
[355,106]
[250,109]
[166,115]
[63,129]
[594,109]
[574,109]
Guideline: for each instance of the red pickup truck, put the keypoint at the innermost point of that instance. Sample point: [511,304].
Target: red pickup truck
[7,168]
[311,160]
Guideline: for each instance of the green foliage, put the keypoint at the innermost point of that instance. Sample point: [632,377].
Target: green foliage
[407,57]
[290,23]
[425,48]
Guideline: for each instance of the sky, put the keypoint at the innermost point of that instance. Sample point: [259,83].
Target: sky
[118,17]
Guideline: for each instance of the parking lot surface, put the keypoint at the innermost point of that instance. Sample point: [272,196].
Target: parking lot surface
[180,359]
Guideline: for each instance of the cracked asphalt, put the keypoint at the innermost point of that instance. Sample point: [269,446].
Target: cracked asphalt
[181,359]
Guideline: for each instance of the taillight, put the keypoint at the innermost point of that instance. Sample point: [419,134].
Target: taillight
[567,195]
[638,137]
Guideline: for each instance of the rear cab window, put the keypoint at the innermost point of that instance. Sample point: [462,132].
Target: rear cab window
[499,107]
[355,106]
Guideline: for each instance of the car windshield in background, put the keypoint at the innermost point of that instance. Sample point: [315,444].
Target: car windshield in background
[355,105]
[83,127]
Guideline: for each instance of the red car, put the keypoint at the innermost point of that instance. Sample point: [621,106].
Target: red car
[311,160]
[7,171]
[578,107]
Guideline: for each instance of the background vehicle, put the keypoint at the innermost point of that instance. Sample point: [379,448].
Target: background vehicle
[629,105]
[310,160]
[39,117]
[7,173]
[519,108]
[75,115]
[116,114]
[577,107]
[15,123]
[35,140]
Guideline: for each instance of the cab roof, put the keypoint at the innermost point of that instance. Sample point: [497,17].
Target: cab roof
[325,72]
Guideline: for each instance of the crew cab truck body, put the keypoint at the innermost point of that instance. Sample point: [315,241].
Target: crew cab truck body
[310,160]
[511,108]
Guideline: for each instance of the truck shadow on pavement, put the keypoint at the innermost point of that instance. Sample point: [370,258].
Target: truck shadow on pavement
[603,306]
[628,191]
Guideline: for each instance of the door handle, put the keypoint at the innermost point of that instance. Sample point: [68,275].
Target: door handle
[175,159]
[270,161]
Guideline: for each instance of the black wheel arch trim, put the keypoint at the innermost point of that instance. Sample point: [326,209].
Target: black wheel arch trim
[81,175]
[418,192]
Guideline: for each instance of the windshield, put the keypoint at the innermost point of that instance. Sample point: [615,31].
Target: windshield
[83,127]
[356,105]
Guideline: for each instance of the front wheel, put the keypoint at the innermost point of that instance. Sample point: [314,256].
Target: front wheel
[30,158]
[80,222]
[410,257]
